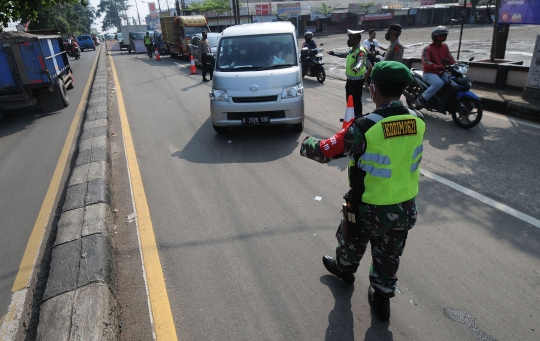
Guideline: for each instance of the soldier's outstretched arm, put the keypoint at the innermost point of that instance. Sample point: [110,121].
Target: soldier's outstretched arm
[342,144]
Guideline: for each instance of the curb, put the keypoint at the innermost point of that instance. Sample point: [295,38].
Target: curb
[79,302]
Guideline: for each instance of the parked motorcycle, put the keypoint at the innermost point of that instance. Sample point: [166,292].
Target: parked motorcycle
[313,63]
[72,49]
[464,106]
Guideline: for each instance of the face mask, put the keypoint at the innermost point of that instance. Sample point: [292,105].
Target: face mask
[441,38]
[387,36]
[350,42]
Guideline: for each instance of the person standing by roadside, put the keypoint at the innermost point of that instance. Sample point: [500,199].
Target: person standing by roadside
[355,68]
[148,43]
[384,150]
[395,50]
[204,48]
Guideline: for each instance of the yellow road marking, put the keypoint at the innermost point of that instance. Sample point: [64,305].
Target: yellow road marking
[32,248]
[157,291]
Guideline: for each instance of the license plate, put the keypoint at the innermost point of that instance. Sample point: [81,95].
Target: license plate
[250,121]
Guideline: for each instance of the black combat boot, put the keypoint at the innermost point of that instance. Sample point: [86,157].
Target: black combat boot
[380,305]
[331,266]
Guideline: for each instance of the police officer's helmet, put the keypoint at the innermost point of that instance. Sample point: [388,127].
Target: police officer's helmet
[439,31]
[308,35]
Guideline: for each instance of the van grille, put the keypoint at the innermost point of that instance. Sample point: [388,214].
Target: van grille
[271,114]
[254,99]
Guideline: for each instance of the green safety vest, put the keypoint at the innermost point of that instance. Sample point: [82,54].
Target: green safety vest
[147,40]
[351,62]
[389,170]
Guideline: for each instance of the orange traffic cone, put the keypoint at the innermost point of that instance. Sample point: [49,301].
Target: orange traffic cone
[158,57]
[349,112]
[193,68]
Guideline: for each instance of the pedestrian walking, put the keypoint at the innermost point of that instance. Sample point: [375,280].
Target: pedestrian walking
[355,68]
[204,48]
[384,150]
[395,50]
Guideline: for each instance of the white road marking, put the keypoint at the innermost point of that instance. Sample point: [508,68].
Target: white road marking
[502,207]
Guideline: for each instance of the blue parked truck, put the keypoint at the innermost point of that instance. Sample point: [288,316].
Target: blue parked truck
[34,69]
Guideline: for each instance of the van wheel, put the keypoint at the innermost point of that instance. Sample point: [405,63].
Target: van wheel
[298,126]
[220,130]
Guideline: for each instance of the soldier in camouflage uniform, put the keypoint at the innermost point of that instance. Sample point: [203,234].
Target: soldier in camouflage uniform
[384,150]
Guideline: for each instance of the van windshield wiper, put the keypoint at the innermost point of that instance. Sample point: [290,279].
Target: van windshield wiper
[276,66]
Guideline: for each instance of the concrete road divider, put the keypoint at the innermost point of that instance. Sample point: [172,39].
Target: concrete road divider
[79,302]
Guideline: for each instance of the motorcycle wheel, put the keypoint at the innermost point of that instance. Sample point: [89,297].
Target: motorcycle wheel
[321,74]
[469,113]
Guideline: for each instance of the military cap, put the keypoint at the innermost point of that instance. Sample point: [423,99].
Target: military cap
[353,33]
[395,27]
[391,72]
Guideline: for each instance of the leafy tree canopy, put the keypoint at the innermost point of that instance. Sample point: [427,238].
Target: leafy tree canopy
[218,6]
[71,19]
[17,10]
[114,11]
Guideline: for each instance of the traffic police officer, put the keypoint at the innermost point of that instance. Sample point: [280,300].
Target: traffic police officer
[384,149]
[148,43]
[355,68]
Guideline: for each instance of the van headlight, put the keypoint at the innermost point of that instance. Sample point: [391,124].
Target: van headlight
[292,91]
[219,95]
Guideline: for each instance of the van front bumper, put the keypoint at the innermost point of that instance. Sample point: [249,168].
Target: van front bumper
[229,113]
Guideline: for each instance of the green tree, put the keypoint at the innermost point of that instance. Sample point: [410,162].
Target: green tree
[114,11]
[71,19]
[218,6]
[324,10]
[17,10]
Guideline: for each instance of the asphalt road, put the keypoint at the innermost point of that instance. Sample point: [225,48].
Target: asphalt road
[241,236]
[30,145]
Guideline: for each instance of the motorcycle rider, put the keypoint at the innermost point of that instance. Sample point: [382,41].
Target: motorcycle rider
[384,150]
[308,41]
[371,44]
[434,68]
[310,44]
[395,50]
[148,43]
[355,69]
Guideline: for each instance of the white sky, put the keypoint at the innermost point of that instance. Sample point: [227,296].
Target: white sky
[132,12]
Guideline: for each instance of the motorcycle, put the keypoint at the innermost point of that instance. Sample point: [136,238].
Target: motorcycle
[312,63]
[456,97]
[72,49]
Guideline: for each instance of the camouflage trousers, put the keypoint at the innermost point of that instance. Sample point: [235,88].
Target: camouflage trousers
[386,228]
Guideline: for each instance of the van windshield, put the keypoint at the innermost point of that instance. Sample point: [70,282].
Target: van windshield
[137,35]
[248,53]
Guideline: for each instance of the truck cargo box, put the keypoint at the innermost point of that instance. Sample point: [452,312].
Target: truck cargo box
[32,66]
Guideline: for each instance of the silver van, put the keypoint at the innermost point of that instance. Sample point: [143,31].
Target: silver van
[257,78]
